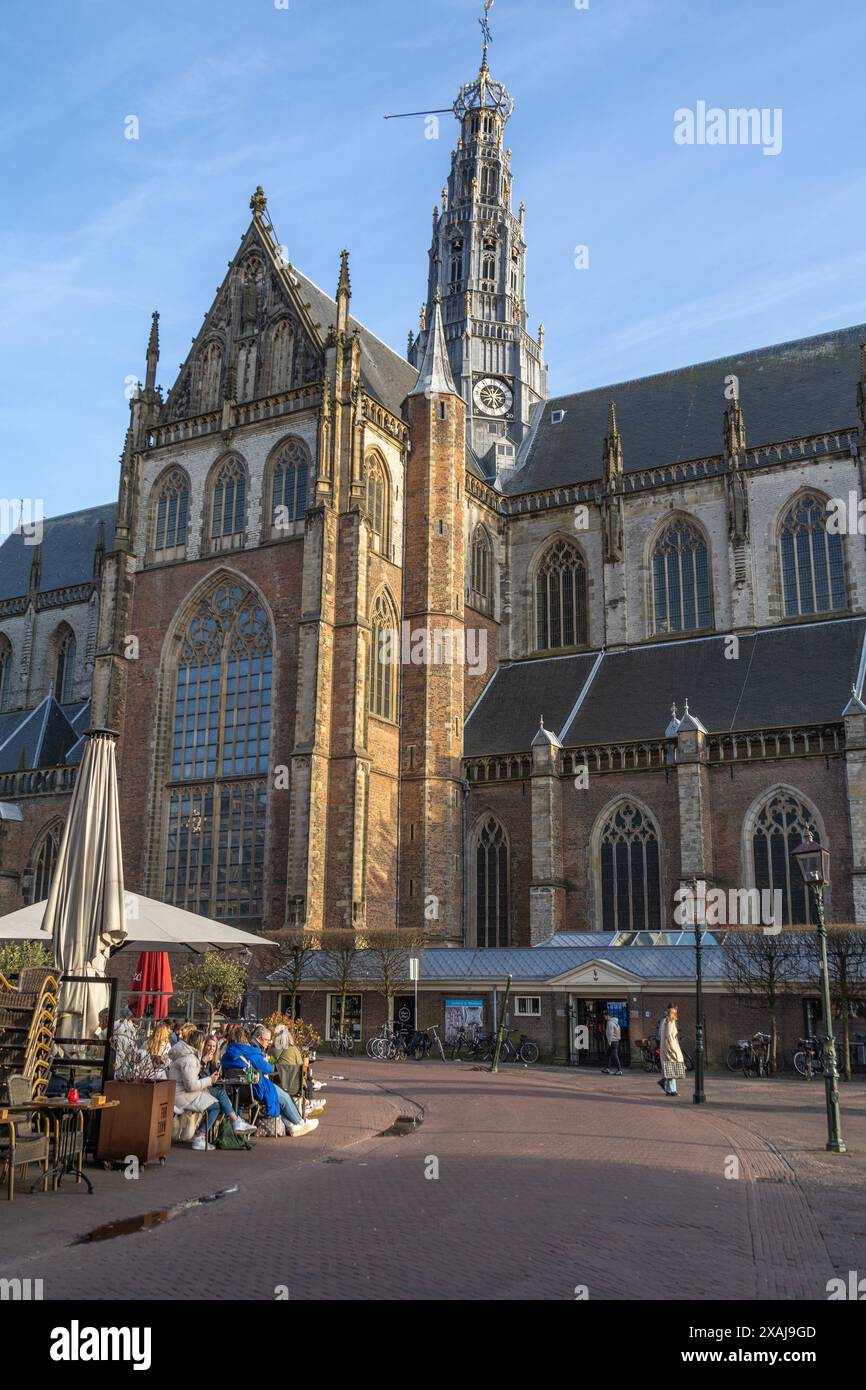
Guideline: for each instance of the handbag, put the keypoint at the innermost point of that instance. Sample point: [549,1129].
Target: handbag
[226,1137]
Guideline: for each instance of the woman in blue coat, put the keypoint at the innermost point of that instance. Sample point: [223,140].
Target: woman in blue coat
[240,1054]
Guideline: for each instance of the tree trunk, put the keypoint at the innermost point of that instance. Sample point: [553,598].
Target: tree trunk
[846,1035]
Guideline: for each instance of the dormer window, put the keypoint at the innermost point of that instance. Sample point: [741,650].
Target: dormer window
[557,417]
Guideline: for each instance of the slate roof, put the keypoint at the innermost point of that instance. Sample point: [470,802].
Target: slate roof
[799,388]
[385,375]
[532,963]
[801,674]
[505,719]
[41,737]
[68,543]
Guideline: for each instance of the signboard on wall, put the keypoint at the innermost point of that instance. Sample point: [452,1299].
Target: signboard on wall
[462,1013]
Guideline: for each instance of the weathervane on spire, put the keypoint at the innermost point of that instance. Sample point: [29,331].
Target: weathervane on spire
[485,27]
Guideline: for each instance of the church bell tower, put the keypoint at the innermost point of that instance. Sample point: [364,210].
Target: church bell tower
[478,268]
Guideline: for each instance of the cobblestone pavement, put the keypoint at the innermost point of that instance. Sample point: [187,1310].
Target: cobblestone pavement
[548,1180]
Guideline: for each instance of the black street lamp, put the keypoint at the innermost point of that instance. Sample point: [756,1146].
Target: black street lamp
[699,1097]
[813,861]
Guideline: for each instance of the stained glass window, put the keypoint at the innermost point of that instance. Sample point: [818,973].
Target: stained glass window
[170,514]
[812,560]
[630,878]
[491,885]
[289,491]
[781,825]
[560,594]
[228,504]
[681,581]
[217,794]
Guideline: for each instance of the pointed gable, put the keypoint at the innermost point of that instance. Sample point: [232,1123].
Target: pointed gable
[265,333]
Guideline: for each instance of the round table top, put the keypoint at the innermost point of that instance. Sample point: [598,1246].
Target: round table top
[58,1103]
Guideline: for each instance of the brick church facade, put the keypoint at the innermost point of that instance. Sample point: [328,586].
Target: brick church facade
[395,641]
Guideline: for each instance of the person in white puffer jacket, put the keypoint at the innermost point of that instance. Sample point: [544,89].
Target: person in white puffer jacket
[193,1092]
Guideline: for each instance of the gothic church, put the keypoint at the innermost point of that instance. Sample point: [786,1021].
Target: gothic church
[669,638]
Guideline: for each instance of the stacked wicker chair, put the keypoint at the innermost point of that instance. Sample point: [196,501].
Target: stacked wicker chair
[28,1017]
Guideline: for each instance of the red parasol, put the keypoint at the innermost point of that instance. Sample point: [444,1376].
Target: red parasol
[153,973]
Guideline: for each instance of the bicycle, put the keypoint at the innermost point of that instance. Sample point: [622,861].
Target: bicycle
[471,1038]
[809,1059]
[526,1051]
[344,1045]
[751,1055]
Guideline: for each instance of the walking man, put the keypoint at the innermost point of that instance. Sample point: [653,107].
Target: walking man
[612,1034]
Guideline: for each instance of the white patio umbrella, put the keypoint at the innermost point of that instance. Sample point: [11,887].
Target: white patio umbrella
[148,923]
[84,914]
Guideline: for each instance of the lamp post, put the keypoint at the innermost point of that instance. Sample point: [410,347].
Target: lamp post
[699,1097]
[813,862]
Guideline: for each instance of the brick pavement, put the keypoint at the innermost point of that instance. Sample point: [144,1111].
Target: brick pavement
[548,1180]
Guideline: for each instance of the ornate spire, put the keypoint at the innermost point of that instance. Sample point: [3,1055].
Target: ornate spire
[434,376]
[152,352]
[36,569]
[612,447]
[344,293]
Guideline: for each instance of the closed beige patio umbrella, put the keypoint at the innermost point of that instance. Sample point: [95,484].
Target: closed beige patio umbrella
[84,912]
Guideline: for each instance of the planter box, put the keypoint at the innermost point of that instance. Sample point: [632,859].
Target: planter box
[140,1124]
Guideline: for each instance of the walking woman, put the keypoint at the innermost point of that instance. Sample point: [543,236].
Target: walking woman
[670,1052]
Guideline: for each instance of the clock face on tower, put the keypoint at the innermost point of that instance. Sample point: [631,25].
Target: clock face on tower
[492,396]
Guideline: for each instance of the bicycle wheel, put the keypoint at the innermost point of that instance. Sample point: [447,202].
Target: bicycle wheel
[734,1059]
[529,1052]
[456,1052]
[689,1061]
[374,1048]
[801,1064]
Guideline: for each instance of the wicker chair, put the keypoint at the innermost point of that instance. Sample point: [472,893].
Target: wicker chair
[23,1140]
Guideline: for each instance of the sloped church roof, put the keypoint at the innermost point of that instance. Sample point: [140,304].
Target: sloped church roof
[788,390]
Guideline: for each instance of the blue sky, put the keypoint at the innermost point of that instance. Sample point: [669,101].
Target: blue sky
[694,251]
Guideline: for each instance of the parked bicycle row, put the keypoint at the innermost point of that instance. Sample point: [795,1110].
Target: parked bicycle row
[391,1044]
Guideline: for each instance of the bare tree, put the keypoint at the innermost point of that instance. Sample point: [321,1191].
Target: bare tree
[339,949]
[761,965]
[846,968]
[293,949]
[390,950]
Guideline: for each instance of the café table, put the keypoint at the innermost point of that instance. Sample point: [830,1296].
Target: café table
[67,1118]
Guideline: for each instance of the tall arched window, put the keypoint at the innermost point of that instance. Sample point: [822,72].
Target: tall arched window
[210,378]
[489,182]
[228,504]
[560,598]
[378,502]
[491,884]
[64,665]
[282,356]
[488,266]
[5,671]
[681,582]
[170,511]
[384,658]
[630,876]
[217,787]
[42,862]
[289,488]
[779,826]
[481,564]
[812,560]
